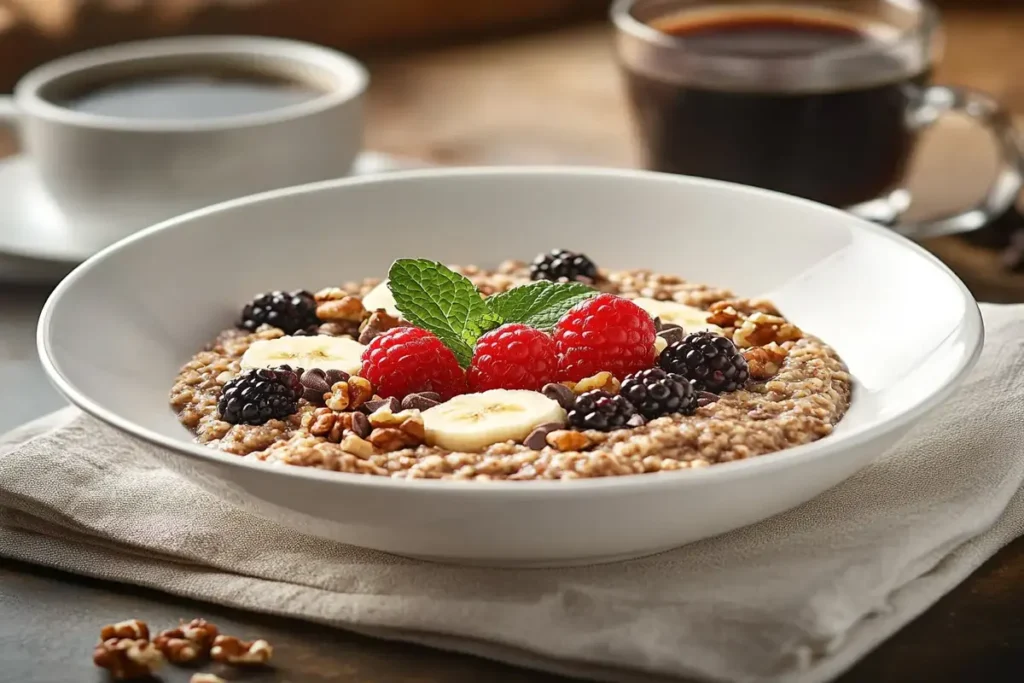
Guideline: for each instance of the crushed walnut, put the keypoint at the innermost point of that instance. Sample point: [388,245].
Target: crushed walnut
[130,628]
[764,362]
[761,329]
[231,650]
[128,658]
[604,381]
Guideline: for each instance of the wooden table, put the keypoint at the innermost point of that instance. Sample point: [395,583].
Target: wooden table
[552,99]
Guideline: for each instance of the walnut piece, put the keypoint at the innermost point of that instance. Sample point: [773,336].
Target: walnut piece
[338,398]
[568,440]
[346,309]
[333,426]
[127,658]
[188,642]
[357,446]
[604,381]
[175,649]
[408,435]
[761,329]
[206,678]
[359,392]
[378,322]
[764,362]
[130,628]
[386,417]
[231,650]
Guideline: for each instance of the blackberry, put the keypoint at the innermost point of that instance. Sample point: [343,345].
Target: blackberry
[562,265]
[289,311]
[600,410]
[655,392]
[257,396]
[711,362]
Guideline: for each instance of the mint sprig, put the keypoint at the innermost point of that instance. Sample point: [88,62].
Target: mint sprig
[432,296]
[539,304]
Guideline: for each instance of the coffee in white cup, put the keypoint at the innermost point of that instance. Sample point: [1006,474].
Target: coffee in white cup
[130,135]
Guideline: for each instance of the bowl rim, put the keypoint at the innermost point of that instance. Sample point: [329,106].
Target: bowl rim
[823,447]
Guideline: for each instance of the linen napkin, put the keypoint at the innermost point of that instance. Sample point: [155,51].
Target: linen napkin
[797,598]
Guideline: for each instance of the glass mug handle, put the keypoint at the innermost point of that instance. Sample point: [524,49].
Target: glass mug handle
[936,102]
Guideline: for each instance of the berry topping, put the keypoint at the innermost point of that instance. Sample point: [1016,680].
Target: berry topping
[290,312]
[410,360]
[655,392]
[561,265]
[256,396]
[513,356]
[711,362]
[601,411]
[604,333]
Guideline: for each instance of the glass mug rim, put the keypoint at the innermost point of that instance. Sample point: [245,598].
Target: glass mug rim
[920,32]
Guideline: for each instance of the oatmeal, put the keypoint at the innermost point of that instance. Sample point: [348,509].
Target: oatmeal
[550,370]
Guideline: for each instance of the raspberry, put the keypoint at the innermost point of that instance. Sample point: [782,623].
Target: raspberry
[711,362]
[513,356]
[410,360]
[605,333]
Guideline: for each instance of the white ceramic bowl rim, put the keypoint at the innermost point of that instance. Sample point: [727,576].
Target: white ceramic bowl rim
[742,468]
[351,80]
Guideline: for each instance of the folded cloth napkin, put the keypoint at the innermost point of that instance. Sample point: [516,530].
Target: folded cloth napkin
[799,597]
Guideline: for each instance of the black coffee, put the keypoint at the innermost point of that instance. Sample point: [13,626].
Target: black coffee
[189,95]
[839,145]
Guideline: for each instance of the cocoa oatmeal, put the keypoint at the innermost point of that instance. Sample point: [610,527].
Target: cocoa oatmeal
[686,376]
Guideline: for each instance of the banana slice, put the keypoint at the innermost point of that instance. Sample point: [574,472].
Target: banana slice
[689,318]
[472,422]
[381,297]
[326,353]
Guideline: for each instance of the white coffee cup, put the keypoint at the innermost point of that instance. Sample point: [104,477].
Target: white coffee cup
[113,175]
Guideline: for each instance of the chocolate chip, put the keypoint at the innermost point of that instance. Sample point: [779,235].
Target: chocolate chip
[317,382]
[705,398]
[432,395]
[637,420]
[559,393]
[657,323]
[672,333]
[537,439]
[420,401]
[371,406]
[361,425]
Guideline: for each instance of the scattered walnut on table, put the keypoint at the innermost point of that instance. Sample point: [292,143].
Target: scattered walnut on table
[130,628]
[206,678]
[188,642]
[128,658]
[231,650]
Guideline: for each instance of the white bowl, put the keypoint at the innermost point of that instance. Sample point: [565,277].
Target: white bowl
[115,332]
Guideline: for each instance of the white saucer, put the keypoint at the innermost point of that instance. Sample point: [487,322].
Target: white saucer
[37,241]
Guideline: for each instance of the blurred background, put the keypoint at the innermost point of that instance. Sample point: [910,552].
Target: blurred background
[534,81]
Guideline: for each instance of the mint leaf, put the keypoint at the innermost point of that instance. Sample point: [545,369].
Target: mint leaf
[538,304]
[436,298]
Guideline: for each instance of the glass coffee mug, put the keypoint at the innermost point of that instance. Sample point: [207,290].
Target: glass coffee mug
[823,100]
